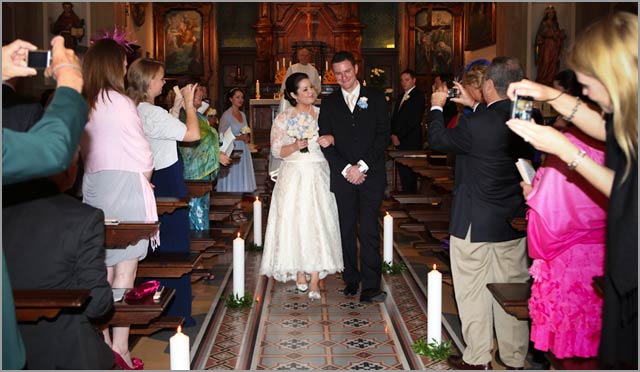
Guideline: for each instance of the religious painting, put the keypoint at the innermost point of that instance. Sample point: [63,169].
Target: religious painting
[480,25]
[434,42]
[182,31]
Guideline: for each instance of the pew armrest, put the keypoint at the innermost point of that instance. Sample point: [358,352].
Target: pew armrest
[33,304]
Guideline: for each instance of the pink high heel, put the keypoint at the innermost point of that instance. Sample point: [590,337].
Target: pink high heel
[120,363]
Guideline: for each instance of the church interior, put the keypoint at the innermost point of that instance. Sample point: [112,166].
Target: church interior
[240,319]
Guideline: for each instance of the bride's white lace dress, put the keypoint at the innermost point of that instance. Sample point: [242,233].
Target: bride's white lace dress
[303,232]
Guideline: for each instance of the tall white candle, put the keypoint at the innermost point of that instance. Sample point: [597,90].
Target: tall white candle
[388,239]
[289,63]
[434,306]
[277,65]
[238,266]
[326,65]
[257,221]
[283,63]
[179,351]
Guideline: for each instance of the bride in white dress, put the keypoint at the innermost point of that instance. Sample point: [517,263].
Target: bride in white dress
[303,233]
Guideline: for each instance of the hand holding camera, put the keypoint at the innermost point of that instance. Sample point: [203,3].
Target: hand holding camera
[461,95]
[14,60]
[65,66]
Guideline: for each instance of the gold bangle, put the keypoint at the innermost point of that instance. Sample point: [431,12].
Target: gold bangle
[577,160]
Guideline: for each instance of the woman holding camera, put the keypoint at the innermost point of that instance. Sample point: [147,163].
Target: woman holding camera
[604,58]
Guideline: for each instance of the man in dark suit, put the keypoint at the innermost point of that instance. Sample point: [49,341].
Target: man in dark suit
[484,248]
[406,125]
[53,241]
[357,119]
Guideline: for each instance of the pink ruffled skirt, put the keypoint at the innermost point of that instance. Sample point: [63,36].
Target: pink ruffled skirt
[565,311]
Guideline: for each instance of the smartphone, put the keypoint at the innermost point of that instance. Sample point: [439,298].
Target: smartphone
[39,59]
[522,108]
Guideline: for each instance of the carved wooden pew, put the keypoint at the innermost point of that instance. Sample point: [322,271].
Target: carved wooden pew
[197,188]
[513,297]
[145,316]
[128,233]
[33,304]
[167,265]
[170,204]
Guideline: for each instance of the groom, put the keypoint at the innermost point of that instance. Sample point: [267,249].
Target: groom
[357,119]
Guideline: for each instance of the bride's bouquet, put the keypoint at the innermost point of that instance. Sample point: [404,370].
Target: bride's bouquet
[245,130]
[302,126]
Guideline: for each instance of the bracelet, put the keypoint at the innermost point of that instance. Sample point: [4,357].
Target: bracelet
[577,160]
[57,67]
[553,99]
[573,112]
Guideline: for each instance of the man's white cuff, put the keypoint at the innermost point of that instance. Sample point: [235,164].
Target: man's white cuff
[344,171]
[362,166]
[436,108]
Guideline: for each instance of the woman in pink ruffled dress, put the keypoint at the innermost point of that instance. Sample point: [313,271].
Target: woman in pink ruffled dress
[566,233]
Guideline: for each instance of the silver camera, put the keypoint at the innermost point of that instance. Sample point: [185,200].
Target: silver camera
[453,93]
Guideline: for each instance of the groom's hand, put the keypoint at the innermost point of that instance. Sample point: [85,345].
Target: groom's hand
[354,175]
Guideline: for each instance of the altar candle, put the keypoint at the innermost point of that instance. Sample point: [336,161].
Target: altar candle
[257,221]
[388,239]
[277,65]
[179,351]
[289,63]
[283,63]
[326,65]
[434,306]
[238,266]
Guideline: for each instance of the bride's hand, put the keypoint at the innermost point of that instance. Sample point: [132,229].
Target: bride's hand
[301,143]
[326,140]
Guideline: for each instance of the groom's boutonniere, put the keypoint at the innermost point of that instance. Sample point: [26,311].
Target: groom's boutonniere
[362,102]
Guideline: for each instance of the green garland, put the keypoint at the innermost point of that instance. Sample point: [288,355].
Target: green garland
[253,247]
[235,302]
[432,350]
[393,268]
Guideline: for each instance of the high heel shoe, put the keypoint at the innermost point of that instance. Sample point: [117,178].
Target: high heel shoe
[314,295]
[120,363]
[302,287]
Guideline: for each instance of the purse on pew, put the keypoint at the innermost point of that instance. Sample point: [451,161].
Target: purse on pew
[143,290]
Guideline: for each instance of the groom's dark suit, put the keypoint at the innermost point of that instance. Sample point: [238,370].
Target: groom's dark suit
[361,135]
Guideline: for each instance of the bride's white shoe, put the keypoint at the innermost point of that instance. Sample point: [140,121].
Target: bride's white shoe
[302,287]
[314,295]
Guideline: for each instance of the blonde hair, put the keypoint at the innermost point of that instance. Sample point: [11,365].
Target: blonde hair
[475,76]
[139,74]
[608,51]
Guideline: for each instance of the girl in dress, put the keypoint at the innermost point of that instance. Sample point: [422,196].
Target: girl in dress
[118,163]
[303,235]
[146,78]
[241,177]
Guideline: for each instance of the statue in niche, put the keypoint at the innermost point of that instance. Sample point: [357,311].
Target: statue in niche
[549,42]
[69,26]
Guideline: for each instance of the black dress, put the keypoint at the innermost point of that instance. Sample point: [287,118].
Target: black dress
[619,341]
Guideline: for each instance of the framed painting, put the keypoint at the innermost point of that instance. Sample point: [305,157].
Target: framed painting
[182,31]
[479,25]
[434,42]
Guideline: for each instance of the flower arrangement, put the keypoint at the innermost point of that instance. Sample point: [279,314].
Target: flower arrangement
[211,112]
[245,130]
[302,126]
[377,78]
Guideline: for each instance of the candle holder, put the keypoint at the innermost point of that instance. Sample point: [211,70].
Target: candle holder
[253,247]
[432,350]
[329,78]
[393,268]
[235,302]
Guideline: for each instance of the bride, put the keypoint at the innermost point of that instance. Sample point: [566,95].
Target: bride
[303,236]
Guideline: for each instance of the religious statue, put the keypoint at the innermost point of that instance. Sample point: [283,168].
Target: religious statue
[69,26]
[549,41]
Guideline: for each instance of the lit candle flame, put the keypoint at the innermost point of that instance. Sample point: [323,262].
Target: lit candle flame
[179,329]
[238,234]
[387,213]
[434,266]
[257,199]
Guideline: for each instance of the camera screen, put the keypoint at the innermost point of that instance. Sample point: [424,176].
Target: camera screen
[38,59]
[522,108]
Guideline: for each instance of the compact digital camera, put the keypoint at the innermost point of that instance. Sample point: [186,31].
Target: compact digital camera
[522,107]
[39,59]
[453,93]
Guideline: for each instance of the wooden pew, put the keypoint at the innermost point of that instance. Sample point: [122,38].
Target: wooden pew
[225,198]
[140,312]
[170,204]
[197,188]
[33,304]
[128,233]
[167,265]
[513,297]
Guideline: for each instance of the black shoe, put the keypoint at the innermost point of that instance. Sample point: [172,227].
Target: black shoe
[350,290]
[368,297]
[456,362]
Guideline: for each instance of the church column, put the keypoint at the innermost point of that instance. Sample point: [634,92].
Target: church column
[264,43]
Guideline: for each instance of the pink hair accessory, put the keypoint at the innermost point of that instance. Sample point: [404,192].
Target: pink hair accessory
[119,36]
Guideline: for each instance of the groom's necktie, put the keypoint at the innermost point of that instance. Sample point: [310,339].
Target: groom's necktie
[404,99]
[351,101]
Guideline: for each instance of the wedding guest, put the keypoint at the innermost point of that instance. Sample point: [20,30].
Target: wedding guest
[47,148]
[241,177]
[406,126]
[202,159]
[604,58]
[304,66]
[118,164]
[63,250]
[163,131]
[303,234]
[483,246]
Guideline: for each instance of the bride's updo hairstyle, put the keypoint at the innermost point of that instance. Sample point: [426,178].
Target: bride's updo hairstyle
[291,86]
